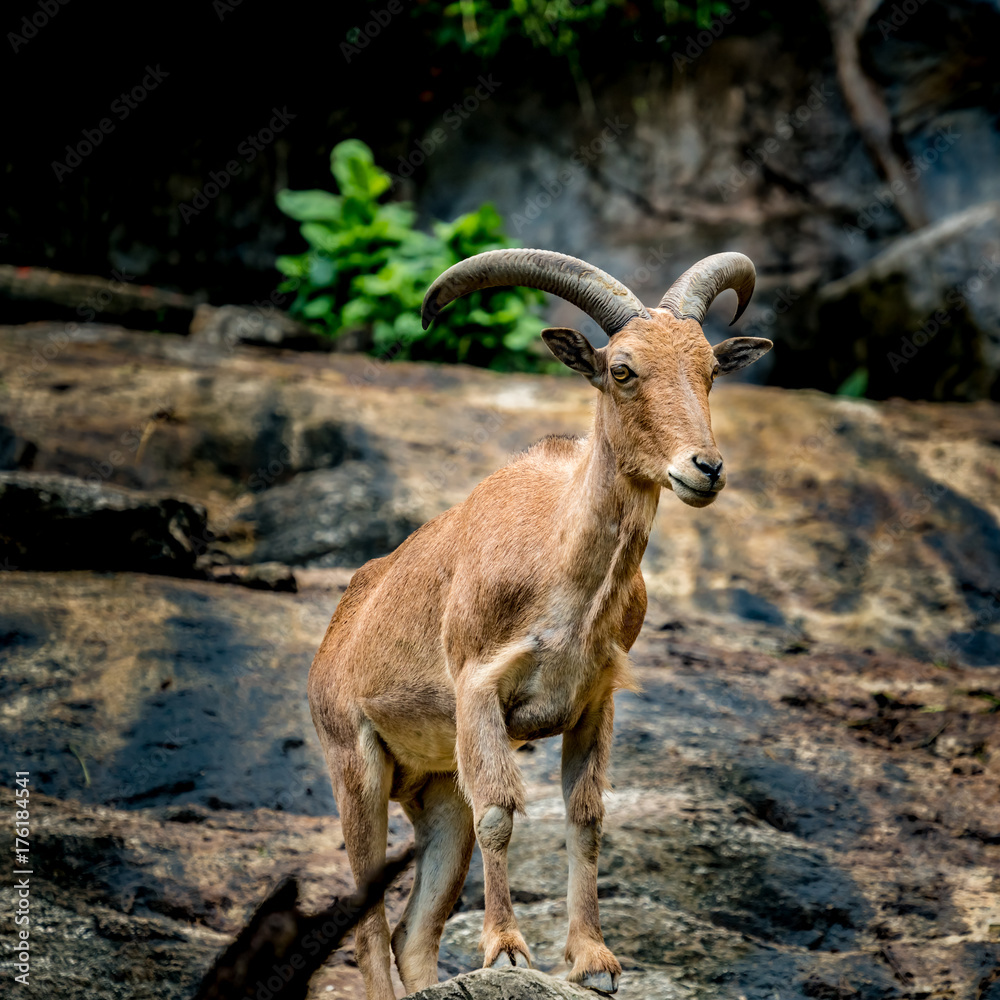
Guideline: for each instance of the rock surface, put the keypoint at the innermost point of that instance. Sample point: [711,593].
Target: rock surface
[737,137]
[505,984]
[331,517]
[805,789]
[741,139]
[803,822]
[259,576]
[34,290]
[61,522]
[929,310]
[226,326]
[834,508]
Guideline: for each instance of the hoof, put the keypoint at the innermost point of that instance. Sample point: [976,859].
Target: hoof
[602,982]
[505,961]
[505,949]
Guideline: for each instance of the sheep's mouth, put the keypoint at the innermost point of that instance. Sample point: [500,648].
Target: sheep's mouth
[690,494]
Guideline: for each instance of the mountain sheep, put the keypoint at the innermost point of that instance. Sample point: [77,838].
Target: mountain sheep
[509,617]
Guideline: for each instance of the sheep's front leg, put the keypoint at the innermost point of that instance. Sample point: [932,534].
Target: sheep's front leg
[491,779]
[586,749]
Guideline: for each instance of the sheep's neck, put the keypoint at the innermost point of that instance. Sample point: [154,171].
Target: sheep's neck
[612,515]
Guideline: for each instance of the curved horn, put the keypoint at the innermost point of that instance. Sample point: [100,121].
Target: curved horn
[692,293]
[606,300]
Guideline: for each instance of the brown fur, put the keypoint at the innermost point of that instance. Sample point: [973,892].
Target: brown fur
[505,619]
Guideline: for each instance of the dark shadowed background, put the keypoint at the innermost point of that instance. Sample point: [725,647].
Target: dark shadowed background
[215,407]
[813,136]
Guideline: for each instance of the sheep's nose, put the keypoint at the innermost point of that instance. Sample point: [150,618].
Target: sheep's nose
[711,469]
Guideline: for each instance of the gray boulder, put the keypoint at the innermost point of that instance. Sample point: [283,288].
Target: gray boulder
[15,451]
[226,326]
[505,984]
[259,576]
[331,517]
[779,824]
[923,316]
[59,522]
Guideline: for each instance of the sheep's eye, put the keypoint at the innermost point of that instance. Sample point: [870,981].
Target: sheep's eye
[715,372]
[622,373]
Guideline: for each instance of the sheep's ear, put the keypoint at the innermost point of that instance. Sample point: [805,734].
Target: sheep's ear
[574,350]
[738,352]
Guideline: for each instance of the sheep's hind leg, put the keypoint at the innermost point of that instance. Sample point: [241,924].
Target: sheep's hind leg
[362,778]
[491,778]
[586,749]
[442,826]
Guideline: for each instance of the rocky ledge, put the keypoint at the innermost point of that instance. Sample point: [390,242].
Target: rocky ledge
[817,823]
[844,520]
[805,798]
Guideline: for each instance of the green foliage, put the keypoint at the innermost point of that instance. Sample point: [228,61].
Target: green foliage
[368,267]
[569,30]
[856,384]
[559,26]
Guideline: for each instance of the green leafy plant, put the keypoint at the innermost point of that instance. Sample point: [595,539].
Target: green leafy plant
[564,29]
[856,384]
[368,267]
[559,26]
